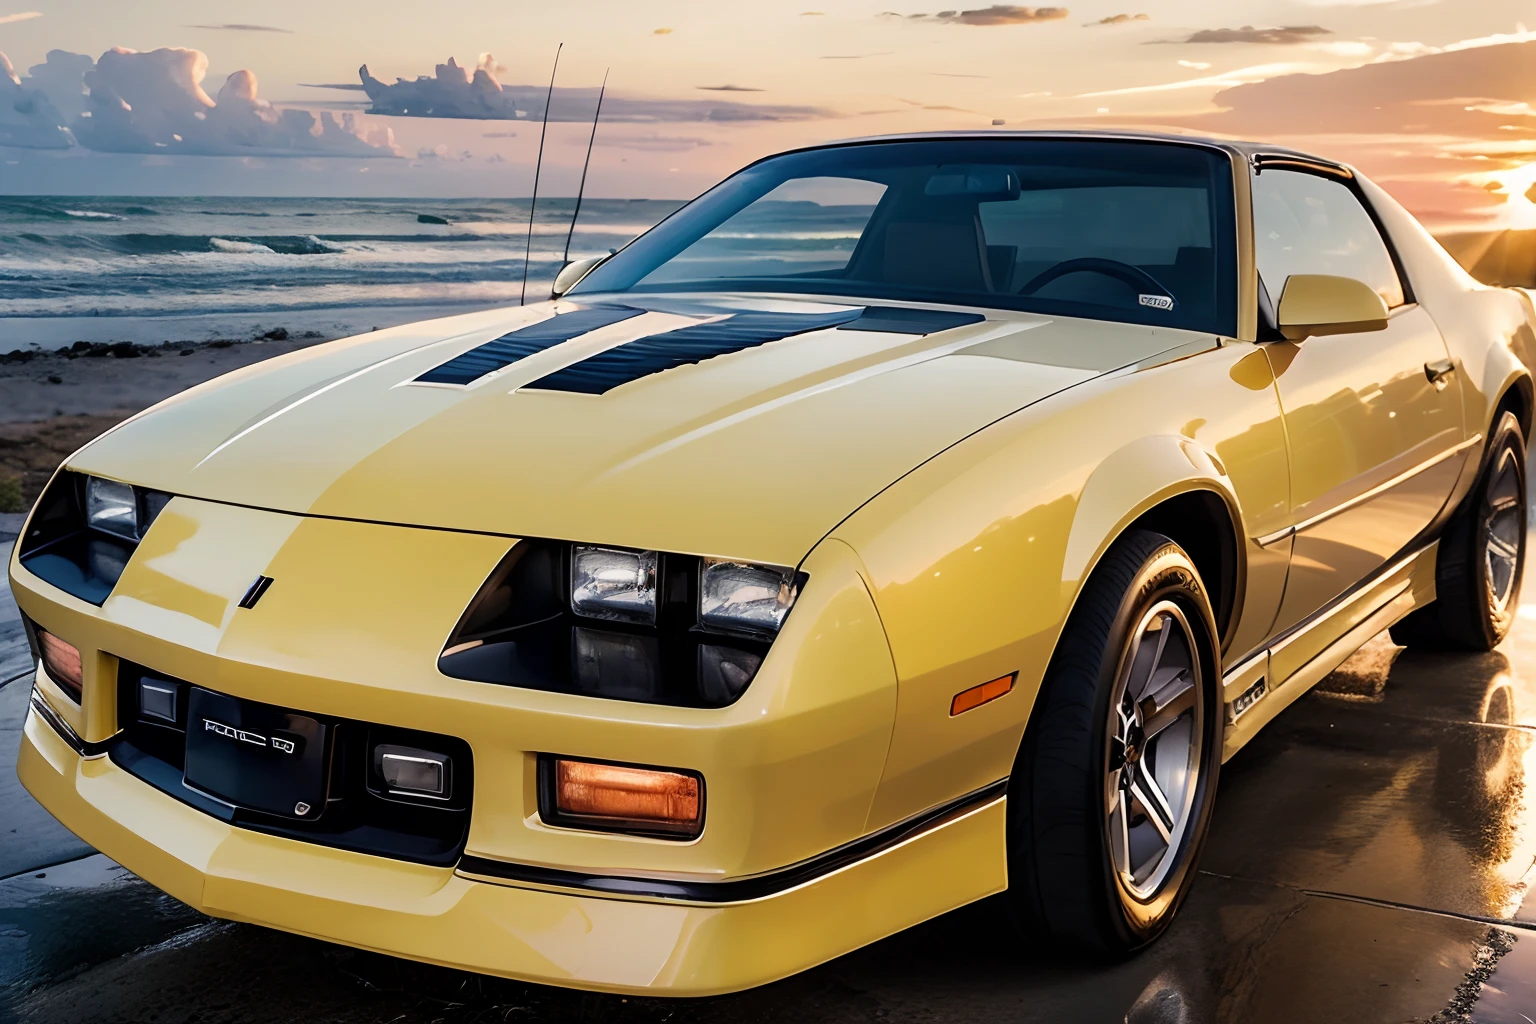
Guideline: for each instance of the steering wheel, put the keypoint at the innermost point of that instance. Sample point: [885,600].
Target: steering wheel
[1131,275]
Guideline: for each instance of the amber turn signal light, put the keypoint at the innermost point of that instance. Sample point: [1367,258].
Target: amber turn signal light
[61,662]
[976,696]
[621,798]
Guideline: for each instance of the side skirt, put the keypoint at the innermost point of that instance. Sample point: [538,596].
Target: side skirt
[1252,693]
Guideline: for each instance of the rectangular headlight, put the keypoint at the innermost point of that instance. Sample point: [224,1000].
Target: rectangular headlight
[611,583]
[621,798]
[735,597]
[111,507]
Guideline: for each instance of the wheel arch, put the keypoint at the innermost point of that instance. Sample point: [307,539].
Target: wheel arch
[1519,398]
[1175,487]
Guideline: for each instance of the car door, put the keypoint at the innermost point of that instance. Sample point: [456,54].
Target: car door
[1373,420]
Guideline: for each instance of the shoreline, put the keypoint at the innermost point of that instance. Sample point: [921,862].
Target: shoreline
[60,332]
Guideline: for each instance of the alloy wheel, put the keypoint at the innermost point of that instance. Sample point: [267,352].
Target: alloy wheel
[1155,750]
[1503,531]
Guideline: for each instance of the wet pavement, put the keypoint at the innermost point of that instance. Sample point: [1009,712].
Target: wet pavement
[1370,861]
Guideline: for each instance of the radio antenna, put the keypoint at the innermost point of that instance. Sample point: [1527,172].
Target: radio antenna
[582,188]
[533,203]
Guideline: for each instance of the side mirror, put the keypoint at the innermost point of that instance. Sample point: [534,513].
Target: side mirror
[571,274]
[1316,304]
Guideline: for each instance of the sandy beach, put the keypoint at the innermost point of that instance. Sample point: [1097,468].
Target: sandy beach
[52,401]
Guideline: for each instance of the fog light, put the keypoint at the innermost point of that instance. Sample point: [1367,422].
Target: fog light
[621,798]
[62,663]
[157,699]
[409,771]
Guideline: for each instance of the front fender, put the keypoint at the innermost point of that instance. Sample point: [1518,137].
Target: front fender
[977,557]
[1134,479]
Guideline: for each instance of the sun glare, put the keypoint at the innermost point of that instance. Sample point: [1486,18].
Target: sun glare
[1516,184]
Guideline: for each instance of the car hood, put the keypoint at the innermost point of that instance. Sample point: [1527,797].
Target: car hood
[755,454]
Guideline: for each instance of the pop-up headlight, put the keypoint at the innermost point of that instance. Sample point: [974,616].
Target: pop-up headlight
[735,597]
[611,583]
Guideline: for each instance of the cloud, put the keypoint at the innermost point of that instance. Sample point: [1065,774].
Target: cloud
[1430,127]
[657,143]
[349,86]
[61,77]
[932,106]
[662,32]
[244,28]
[1197,65]
[1119,19]
[1416,95]
[27,119]
[997,14]
[154,102]
[1285,35]
[9,19]
[443,153]
[498,135]
[1223,80]
[454,92]
[728,88]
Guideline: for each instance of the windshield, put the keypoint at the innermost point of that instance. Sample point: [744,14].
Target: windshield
[1140,232]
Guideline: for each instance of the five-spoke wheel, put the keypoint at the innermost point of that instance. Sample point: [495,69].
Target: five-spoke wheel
[1481,558]
[1154,749]
[1111,794]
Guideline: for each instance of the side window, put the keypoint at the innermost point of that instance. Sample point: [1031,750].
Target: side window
[1308,224]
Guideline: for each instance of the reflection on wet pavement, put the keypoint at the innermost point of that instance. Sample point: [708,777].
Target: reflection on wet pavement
[1371,859]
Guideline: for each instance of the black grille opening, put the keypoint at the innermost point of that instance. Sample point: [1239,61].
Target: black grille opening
[358,812]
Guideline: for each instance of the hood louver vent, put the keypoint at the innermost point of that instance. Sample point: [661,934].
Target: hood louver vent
[904,320]
[524,342]
[641,358]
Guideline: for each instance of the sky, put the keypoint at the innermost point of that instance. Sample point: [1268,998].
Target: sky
[1435,99]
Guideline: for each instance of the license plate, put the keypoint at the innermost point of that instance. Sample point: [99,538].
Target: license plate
[256,755]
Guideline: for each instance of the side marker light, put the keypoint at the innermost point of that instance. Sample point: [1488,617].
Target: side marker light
[976,696]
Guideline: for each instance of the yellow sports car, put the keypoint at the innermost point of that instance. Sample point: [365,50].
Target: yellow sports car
[902,522]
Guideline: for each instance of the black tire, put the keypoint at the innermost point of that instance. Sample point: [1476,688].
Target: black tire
[1064,886]
[1477,577]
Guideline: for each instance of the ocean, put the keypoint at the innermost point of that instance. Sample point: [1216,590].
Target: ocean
[152,269]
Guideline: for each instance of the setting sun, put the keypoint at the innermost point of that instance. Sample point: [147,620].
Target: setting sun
[1518,185]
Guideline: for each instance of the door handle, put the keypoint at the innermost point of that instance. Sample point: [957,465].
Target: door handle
[1439,373]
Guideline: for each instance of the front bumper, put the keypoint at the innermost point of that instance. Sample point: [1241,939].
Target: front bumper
[544,934]
[351,630]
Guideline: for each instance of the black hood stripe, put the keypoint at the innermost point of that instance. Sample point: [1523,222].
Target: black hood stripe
[658,352]
[524,342]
